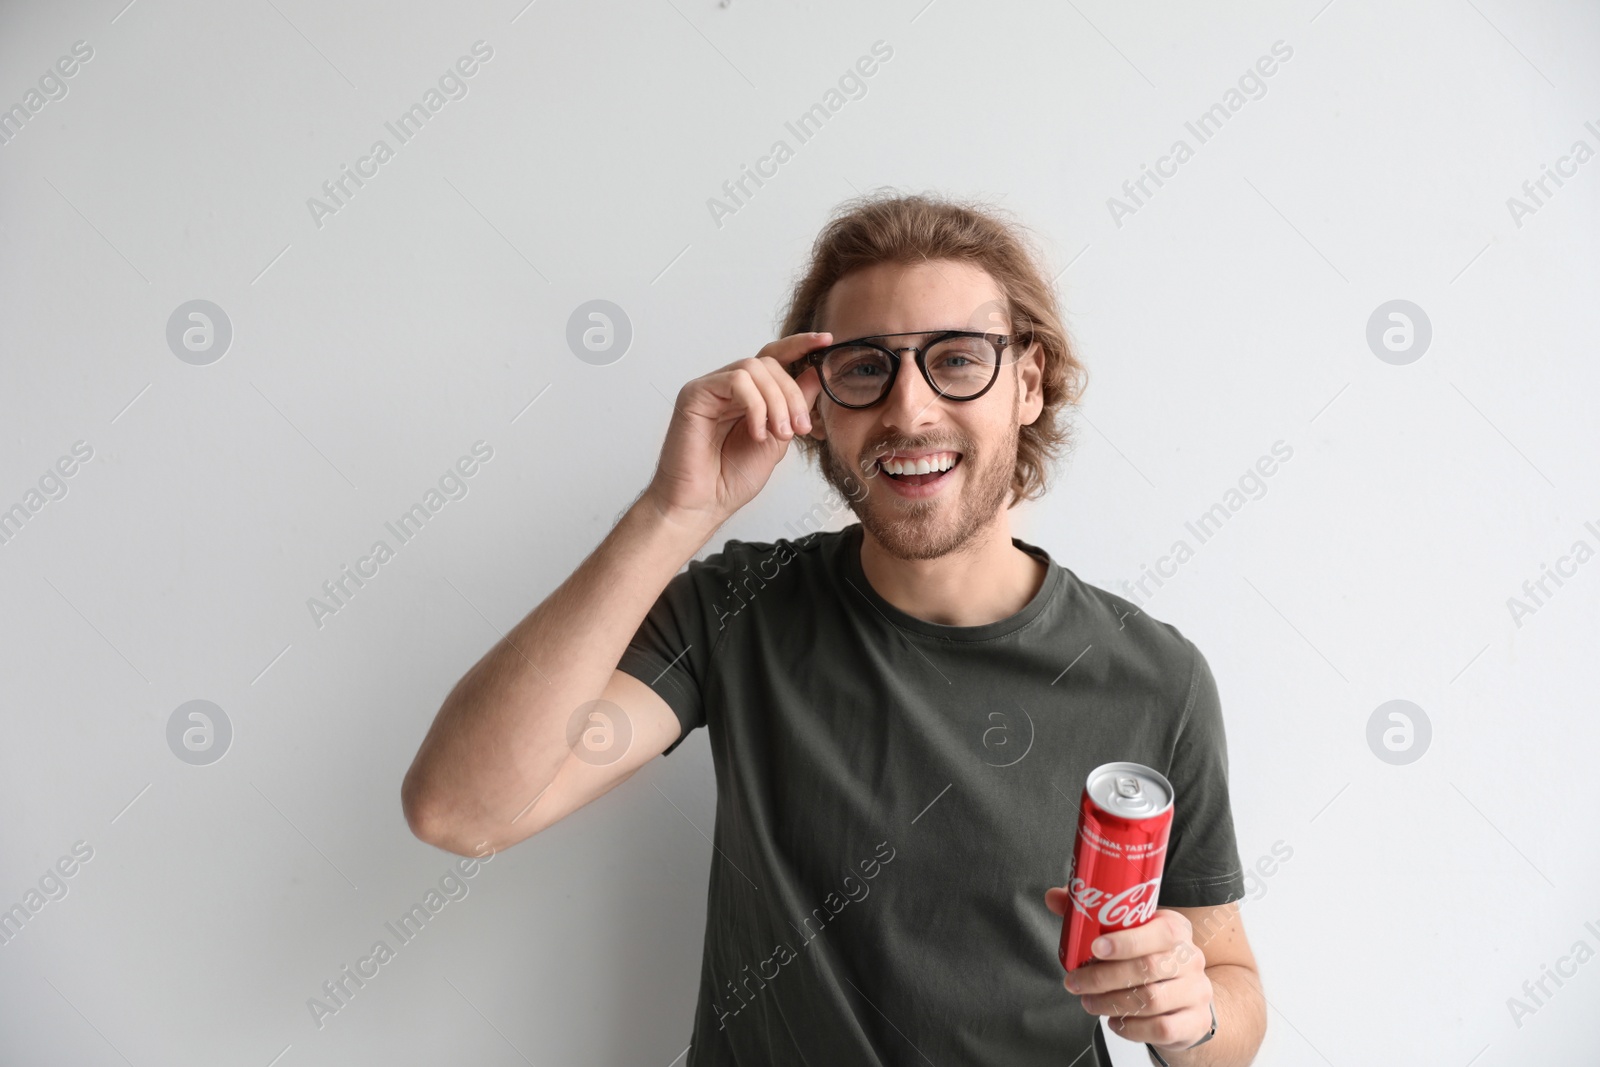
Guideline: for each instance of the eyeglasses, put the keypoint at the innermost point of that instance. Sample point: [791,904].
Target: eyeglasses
[958,364]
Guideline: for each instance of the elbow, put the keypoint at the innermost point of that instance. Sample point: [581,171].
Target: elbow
[430,824]
[424,816]
[420,815]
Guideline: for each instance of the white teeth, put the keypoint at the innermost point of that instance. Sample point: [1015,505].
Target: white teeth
[940,461]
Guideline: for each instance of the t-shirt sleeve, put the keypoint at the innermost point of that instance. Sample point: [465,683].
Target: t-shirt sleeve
[671,650]
[1202,866]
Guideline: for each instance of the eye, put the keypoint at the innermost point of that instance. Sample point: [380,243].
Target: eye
[856,363]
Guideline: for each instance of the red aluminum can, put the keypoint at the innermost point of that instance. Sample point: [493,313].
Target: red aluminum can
[1117,856]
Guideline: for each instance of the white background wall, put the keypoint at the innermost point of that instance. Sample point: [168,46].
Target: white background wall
[371,351]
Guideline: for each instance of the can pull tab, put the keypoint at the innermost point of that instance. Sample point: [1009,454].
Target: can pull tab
[1128,786]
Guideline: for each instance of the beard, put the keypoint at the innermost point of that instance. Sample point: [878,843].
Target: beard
[913,529]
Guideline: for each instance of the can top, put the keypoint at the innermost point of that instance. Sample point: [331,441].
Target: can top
[1129,790]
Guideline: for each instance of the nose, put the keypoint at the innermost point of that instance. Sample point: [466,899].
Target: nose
[912,404]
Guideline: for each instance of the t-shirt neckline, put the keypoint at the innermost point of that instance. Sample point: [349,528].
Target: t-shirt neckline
[850,546]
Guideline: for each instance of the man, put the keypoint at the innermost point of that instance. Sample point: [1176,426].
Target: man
[901,714]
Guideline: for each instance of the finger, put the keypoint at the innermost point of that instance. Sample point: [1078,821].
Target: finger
[794,397]
[748,400]
[1114,975]
[1160,934]
[1057,900]
[778,419]
[1184,962]
[788,351]
[785,401]
[1151,998]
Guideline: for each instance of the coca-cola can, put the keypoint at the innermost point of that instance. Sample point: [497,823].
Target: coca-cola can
[1117,856]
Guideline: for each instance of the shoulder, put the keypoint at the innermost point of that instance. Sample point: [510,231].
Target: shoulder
[1141,645]
[728,576]
[739,557]
[753,580]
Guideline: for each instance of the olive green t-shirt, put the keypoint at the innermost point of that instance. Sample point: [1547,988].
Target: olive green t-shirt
[894,797]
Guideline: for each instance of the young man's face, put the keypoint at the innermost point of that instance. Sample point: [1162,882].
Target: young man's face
[925,516]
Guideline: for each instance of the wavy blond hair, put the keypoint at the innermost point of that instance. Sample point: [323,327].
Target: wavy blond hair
[886,227]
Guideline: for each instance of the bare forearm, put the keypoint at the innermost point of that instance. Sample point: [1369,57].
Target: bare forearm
[1241,1021]
[500,736]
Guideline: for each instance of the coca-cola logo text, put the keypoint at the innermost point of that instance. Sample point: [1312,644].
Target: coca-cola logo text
[1131,907]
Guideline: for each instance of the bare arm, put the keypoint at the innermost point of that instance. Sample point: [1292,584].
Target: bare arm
[1235,986]
[501,736]
[495,766]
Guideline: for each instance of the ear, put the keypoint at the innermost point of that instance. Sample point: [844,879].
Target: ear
[1030,381]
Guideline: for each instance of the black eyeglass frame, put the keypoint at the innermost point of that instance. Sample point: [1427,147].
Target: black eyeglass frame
[814,358]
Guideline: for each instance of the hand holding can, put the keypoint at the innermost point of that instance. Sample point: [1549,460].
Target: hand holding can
[1118,854]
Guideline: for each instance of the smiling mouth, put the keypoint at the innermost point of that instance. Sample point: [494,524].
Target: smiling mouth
[923,470]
